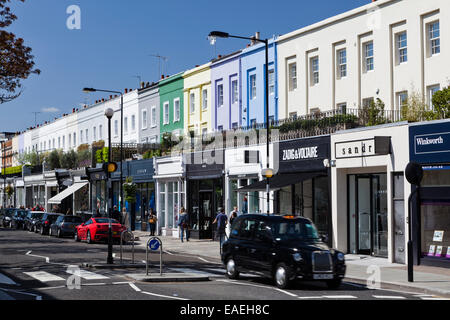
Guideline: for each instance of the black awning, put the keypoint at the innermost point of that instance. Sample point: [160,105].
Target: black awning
[282,180]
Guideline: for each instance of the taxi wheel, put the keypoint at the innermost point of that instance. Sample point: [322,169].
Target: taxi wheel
[334,284]
[232,272]
[281,276]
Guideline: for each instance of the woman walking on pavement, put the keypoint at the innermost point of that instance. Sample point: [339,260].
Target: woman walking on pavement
[183,223]
[152,222]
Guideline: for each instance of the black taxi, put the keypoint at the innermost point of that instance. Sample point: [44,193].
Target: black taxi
[283,248]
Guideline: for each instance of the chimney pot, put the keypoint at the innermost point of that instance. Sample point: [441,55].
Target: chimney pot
[126,90]
[162,76]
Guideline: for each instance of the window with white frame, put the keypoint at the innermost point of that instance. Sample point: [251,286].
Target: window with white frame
[153,117]
[315,70]
[271,82]
[204,99]
[100,132]
[402,47]
[74,140]
[63,142]
[220,95]
[434,38]
[368,56]
[144,119]
[125,125]
[192,102]
[402,99]
[342,63]
[166,113]
[81,138]
[253,86]
[234,92]
[133,123]
[116,128]
[176,109]
[69,141]
[94,131]
[87,135]
[59,143]
[292,76]
[431,90]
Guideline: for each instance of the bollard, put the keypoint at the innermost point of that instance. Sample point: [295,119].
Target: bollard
[132,245]
[160,254]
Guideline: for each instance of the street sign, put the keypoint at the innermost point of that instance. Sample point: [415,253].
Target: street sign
[154,244]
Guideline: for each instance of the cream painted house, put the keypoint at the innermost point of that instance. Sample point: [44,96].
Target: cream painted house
[387,49]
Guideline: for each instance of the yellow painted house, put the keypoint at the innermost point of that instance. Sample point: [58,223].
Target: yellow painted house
[197,100]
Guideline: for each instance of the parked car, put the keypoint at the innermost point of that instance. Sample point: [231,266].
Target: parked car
[43,225]
[6,217]
[96,229]
[65,226]
[18,219]
[31,219]
[283,248]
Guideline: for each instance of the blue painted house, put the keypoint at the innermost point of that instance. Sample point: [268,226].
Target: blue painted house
[253,76]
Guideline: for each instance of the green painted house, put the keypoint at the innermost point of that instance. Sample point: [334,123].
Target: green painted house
[171,104]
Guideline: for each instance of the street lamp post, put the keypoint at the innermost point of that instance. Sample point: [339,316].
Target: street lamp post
[109,114]
[267,173]
[121,138]
[3,141]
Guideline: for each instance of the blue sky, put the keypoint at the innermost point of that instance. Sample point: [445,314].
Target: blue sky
[117,38]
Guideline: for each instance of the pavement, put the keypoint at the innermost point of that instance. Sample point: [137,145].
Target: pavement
[373,271]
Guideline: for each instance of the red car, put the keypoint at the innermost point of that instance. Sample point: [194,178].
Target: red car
[96,229]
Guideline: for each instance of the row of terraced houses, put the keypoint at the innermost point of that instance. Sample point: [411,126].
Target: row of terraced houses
[352,185]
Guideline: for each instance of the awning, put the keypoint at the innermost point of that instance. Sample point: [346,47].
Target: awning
[70,190]
[282,180]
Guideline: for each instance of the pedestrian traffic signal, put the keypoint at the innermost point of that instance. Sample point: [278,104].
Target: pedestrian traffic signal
[110,167]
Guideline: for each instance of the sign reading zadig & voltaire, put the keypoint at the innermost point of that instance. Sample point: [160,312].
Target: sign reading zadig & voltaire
[300,153]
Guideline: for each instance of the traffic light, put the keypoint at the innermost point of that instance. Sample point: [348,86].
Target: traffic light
[109,167]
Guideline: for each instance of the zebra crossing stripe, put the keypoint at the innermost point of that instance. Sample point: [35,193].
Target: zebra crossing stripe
[340,297]
[44,276]
[87,275]
[389,297]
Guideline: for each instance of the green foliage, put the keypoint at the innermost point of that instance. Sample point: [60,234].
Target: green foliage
[83,157]
[152,153]
[441,102]
[54,160]
[373,114]
[69,160]
[130,190]
[102,155]
[31,158]
[305,124]
[416,109]
[9,190]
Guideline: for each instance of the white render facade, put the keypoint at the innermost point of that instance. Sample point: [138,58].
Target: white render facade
[387,49]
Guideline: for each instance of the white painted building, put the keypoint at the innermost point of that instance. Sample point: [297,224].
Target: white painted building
[387,49]
[369,193]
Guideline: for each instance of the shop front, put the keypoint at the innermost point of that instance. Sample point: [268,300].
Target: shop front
[369,191]
[430,147]
[205,195]
[170,190]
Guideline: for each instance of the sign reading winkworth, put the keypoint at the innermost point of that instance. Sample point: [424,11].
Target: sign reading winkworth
[430,143]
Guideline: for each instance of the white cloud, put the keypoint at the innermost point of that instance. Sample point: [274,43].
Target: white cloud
[50,110]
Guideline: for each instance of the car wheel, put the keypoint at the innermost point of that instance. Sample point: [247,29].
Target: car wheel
[50,232]
[59,233]
[77,239]
[88,238]
[282,276]
[231,269]
[334,284]
[42,231]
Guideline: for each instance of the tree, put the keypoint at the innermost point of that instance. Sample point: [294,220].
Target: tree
[441,102]
[69,160]
[16,60]
[54,160]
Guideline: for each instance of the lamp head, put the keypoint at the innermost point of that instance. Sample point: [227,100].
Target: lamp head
[109,113]
[89,90]
[218,34]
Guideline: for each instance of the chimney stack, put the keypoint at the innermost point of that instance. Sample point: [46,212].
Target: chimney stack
[126,90]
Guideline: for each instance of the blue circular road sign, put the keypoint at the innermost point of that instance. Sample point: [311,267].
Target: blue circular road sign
[154,245]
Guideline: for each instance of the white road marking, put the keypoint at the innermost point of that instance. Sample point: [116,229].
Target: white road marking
[44,276]
[168,252]
[134,287]
[317,297]
[340,297]
[94,284]
[47,259]
[123,282]
[388,297]
[287,292]
[434,298]
[87,275]
[163,296]
[5,280]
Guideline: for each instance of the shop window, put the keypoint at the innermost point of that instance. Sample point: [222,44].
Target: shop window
[321,209]
[162,205]
[233,194]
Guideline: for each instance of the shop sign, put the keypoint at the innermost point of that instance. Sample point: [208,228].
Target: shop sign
[362,148]
[430,143]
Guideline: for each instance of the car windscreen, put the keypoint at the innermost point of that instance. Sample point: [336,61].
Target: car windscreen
[52,218]
[73,219]
[105,220]
[37,215]
[22,214]
[294,230]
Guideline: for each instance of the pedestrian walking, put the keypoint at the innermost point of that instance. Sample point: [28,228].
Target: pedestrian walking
[221,220]
[116,215]
[152,221]
[183,223]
